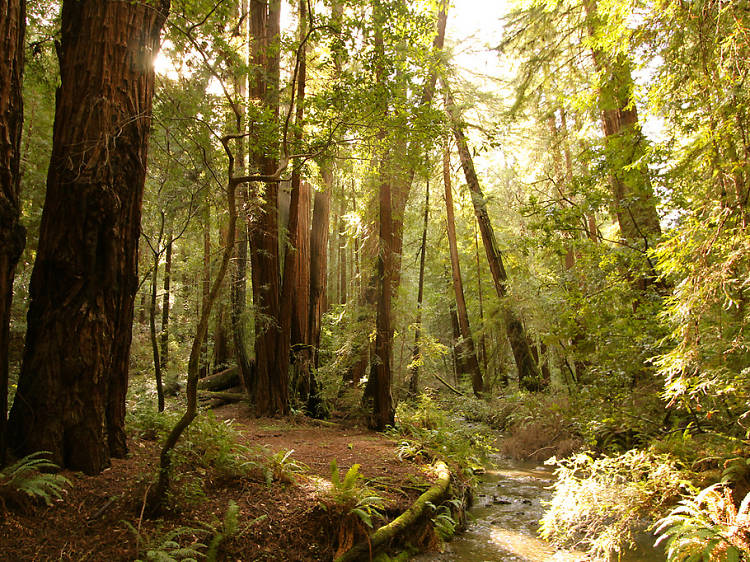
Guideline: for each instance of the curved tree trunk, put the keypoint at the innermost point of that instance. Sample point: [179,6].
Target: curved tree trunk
[71,392]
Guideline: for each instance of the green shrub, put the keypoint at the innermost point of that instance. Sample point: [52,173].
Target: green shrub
[353,497]
[424,429]
[599,504]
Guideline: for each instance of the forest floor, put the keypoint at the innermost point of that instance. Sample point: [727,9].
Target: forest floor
[101,517]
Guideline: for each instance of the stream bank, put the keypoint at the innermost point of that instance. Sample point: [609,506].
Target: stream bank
[509,501]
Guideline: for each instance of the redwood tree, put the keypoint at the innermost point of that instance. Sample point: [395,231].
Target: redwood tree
[71,391]
[12,234]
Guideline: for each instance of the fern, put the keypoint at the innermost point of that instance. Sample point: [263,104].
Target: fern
[165,548]
[25,476]
[356,500]
[707,527]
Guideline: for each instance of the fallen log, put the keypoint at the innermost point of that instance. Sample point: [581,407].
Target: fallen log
[433,496]
[222,395]
[222,380]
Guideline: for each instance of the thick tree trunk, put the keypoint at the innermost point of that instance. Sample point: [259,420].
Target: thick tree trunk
[470,357]
[12,234]
[71,392]
[632,194]
[379,384]
[271,375]
[528,373]
[380,369]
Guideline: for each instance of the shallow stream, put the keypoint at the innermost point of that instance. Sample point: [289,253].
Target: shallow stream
[508,503]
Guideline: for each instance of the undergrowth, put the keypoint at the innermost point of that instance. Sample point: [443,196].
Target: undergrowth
[599,504]
[28,480]
[425,430]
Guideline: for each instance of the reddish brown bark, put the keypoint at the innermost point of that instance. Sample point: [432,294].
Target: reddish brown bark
[379,383]
[12,234]
[271,375]
[71,392]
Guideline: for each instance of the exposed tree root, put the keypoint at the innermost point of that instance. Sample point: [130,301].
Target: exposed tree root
[435,495]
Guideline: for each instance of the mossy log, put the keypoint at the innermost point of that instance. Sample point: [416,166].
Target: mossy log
[230,396]
[221,380]
[434,496]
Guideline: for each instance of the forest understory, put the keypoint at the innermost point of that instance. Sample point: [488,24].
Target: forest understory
[375,235]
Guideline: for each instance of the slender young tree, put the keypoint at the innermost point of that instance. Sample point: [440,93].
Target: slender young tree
[416,354]
[71,391]
[470,356]
[12,234]
[165,303]
[528,373]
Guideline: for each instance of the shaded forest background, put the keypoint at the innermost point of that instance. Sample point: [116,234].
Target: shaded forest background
[330,210]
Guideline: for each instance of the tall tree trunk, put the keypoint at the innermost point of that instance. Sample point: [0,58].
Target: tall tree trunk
[296,243]
[12,234]
[416,354]
[152,319]
[633,196]
[414,147]
[379,384]
[271,371]
[238,289]
[165,304]
[205,281]
[342,263]
[380,370]
[470,356]
[480,295]
[528,373]
[71,392]
[319,260]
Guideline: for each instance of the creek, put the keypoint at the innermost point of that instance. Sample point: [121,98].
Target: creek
[508,504]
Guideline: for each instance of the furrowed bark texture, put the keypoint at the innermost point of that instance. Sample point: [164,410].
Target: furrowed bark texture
[71,392]
[271,377]
[12,234]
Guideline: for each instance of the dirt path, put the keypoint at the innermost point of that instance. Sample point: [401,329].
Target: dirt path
[90,522]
